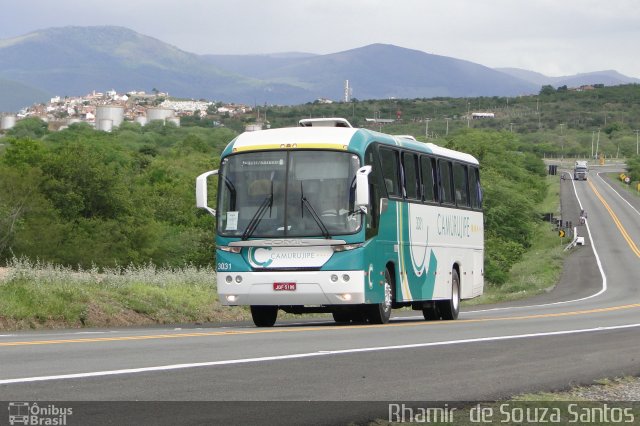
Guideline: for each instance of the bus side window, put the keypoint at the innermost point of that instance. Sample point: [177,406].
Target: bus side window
[460,181]
[446,188]
[475,192]
[410,175]
[389,162]
[428,179]
[375,191]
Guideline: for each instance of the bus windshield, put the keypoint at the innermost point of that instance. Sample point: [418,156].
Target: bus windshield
[288,193]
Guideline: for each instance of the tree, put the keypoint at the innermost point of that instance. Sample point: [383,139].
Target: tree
[32,127]
[547,90]
[24,152]
[512,183]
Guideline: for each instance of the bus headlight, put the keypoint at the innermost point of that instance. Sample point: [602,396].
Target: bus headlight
[346,247]
[232,298]
[228,279]
[229,249]
[334,278]
[346,278]
[346,297]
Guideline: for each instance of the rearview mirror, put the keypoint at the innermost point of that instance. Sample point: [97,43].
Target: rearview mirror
[362,188]
[201,192]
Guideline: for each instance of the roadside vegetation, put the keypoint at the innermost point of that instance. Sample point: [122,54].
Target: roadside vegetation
[35,295]
[101,228]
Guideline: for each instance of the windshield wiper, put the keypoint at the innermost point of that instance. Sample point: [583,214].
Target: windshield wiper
[253,223]
[314,214]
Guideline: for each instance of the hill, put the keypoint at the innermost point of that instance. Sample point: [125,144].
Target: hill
[378,71]
[15,96]
[76,60]
[607,78]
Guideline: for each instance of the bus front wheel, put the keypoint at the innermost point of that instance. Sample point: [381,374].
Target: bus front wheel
[449,309]
[264,316]
[380,313]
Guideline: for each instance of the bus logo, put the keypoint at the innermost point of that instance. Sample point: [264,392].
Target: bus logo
[259,259]
[27,413]
[19,413]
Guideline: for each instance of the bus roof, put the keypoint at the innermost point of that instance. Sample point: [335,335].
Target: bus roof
[294,137]
[324,122]
[337,138]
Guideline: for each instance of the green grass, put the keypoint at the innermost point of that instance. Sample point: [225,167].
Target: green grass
[632,189]
[34,295]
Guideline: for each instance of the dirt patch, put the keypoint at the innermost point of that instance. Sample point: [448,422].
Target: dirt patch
[12,324]
[3,272]
[118,316]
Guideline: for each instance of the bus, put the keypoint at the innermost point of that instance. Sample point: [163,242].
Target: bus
[348,221]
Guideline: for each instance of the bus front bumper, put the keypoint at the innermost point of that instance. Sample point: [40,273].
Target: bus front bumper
[291,288]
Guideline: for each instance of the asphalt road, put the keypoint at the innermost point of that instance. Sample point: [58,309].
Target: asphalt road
[588,327]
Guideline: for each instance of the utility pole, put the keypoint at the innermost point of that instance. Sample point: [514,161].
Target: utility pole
[593,136]
[637,131]
[598,143]
[427,130]
[511,127]
[447,132]
[562,140]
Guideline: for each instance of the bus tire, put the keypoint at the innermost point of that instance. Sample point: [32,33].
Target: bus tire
[380,313]
[264,316]
[449,309]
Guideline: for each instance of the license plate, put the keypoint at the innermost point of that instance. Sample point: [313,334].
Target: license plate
[284,286]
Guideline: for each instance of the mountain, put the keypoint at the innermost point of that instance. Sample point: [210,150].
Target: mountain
[378,71]
[608,78]
[15,96]
[76,60]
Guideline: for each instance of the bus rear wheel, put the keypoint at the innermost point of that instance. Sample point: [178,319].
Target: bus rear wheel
[380,313]
[449,309]
[264,316]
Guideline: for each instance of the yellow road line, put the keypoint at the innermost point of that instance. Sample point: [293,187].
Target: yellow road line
[623,231]
[315,328]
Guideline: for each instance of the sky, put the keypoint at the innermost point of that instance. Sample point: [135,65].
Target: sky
[553,37]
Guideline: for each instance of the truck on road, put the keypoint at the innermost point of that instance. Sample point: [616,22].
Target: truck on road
[580,170]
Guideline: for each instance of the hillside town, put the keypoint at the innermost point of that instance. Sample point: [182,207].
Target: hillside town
[105,110]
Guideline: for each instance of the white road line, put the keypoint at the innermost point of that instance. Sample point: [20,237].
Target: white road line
[595,252]
[621,197]
[306,355]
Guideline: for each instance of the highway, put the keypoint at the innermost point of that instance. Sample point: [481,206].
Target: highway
[588,327]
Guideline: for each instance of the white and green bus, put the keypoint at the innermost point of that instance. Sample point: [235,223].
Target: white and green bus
[329,218]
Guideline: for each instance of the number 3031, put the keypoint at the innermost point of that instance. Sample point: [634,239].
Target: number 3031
[224,266]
